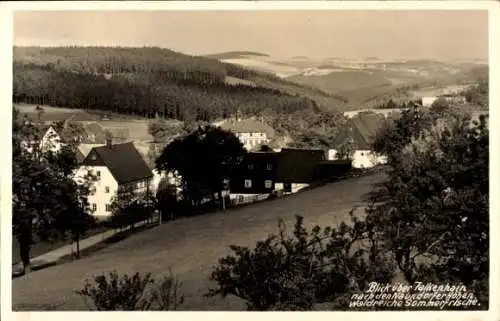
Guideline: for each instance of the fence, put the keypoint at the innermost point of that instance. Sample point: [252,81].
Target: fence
[240,199]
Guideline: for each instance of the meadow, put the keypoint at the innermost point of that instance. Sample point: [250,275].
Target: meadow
[190,247]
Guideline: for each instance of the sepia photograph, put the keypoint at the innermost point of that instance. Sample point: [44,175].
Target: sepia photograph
[250,160]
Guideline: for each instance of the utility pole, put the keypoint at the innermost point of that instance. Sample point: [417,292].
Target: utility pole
[226,188]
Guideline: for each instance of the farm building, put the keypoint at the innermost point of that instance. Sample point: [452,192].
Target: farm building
[119,169]
[296,168]
[256,174]
[252,133]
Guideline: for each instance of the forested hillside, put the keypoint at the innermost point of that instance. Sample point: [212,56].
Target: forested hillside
[150,81]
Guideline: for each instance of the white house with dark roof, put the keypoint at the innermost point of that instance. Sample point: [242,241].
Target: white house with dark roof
[118,169]
[253,133]
[360,131]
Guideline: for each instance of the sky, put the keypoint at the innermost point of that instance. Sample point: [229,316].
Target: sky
[440,35]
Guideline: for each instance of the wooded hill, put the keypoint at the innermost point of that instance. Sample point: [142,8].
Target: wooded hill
[149,81]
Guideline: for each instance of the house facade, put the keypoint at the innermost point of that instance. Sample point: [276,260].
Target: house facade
[256,174]
[253,133]
[118,170]
[427,101]
[51,141]
[296,169]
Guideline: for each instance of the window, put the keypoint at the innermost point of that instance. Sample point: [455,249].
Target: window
[268,183]
[269,167]
[248,183]
[94,207]
[108,207]
[98,173]
[362,154]
[93,157]
[106,189]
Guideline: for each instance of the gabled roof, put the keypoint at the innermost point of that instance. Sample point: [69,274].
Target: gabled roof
[86,148]
[361,129]
[247,126]
[123,161]
[298,165]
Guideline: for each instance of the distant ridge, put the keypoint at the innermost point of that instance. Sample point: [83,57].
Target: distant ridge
[235,55]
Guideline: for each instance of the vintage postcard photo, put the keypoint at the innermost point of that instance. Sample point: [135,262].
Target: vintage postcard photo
[249,160]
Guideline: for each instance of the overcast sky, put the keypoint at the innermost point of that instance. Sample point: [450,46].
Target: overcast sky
[351,34]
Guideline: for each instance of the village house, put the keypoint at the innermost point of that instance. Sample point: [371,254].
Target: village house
[51,141]
[256,174]
[427,101]
[296,169]
[261,174]
[253,133]
[119,170]
[359,132]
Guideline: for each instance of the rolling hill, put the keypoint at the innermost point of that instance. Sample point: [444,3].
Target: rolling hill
[149,81]
[235,55]
[363,83]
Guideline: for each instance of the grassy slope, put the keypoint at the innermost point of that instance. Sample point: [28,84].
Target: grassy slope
[344,80]
[190,247]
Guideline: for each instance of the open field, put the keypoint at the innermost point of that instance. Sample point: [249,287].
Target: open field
[137,128]
[191,247]
[60,113]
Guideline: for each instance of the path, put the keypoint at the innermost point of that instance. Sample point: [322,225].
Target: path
[55,255]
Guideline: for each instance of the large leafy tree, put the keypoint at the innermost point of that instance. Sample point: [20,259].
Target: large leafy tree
[203,159]
[432,212]
[47,202]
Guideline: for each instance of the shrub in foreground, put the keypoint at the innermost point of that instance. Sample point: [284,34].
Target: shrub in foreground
[296,272]
[138,292]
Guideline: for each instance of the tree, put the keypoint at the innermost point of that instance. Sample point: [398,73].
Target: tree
[394,135]
[203,159]
[428,222]
[478,94]
[309,267]
[162,131]
[433,209]
[113,292]
[45,197]
[440,106]
[346,150]
[166,199]
[73,132]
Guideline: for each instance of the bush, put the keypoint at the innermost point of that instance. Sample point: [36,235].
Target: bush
[295,273]
[125,293]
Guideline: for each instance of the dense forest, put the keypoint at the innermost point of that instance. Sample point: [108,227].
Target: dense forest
[153,81]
